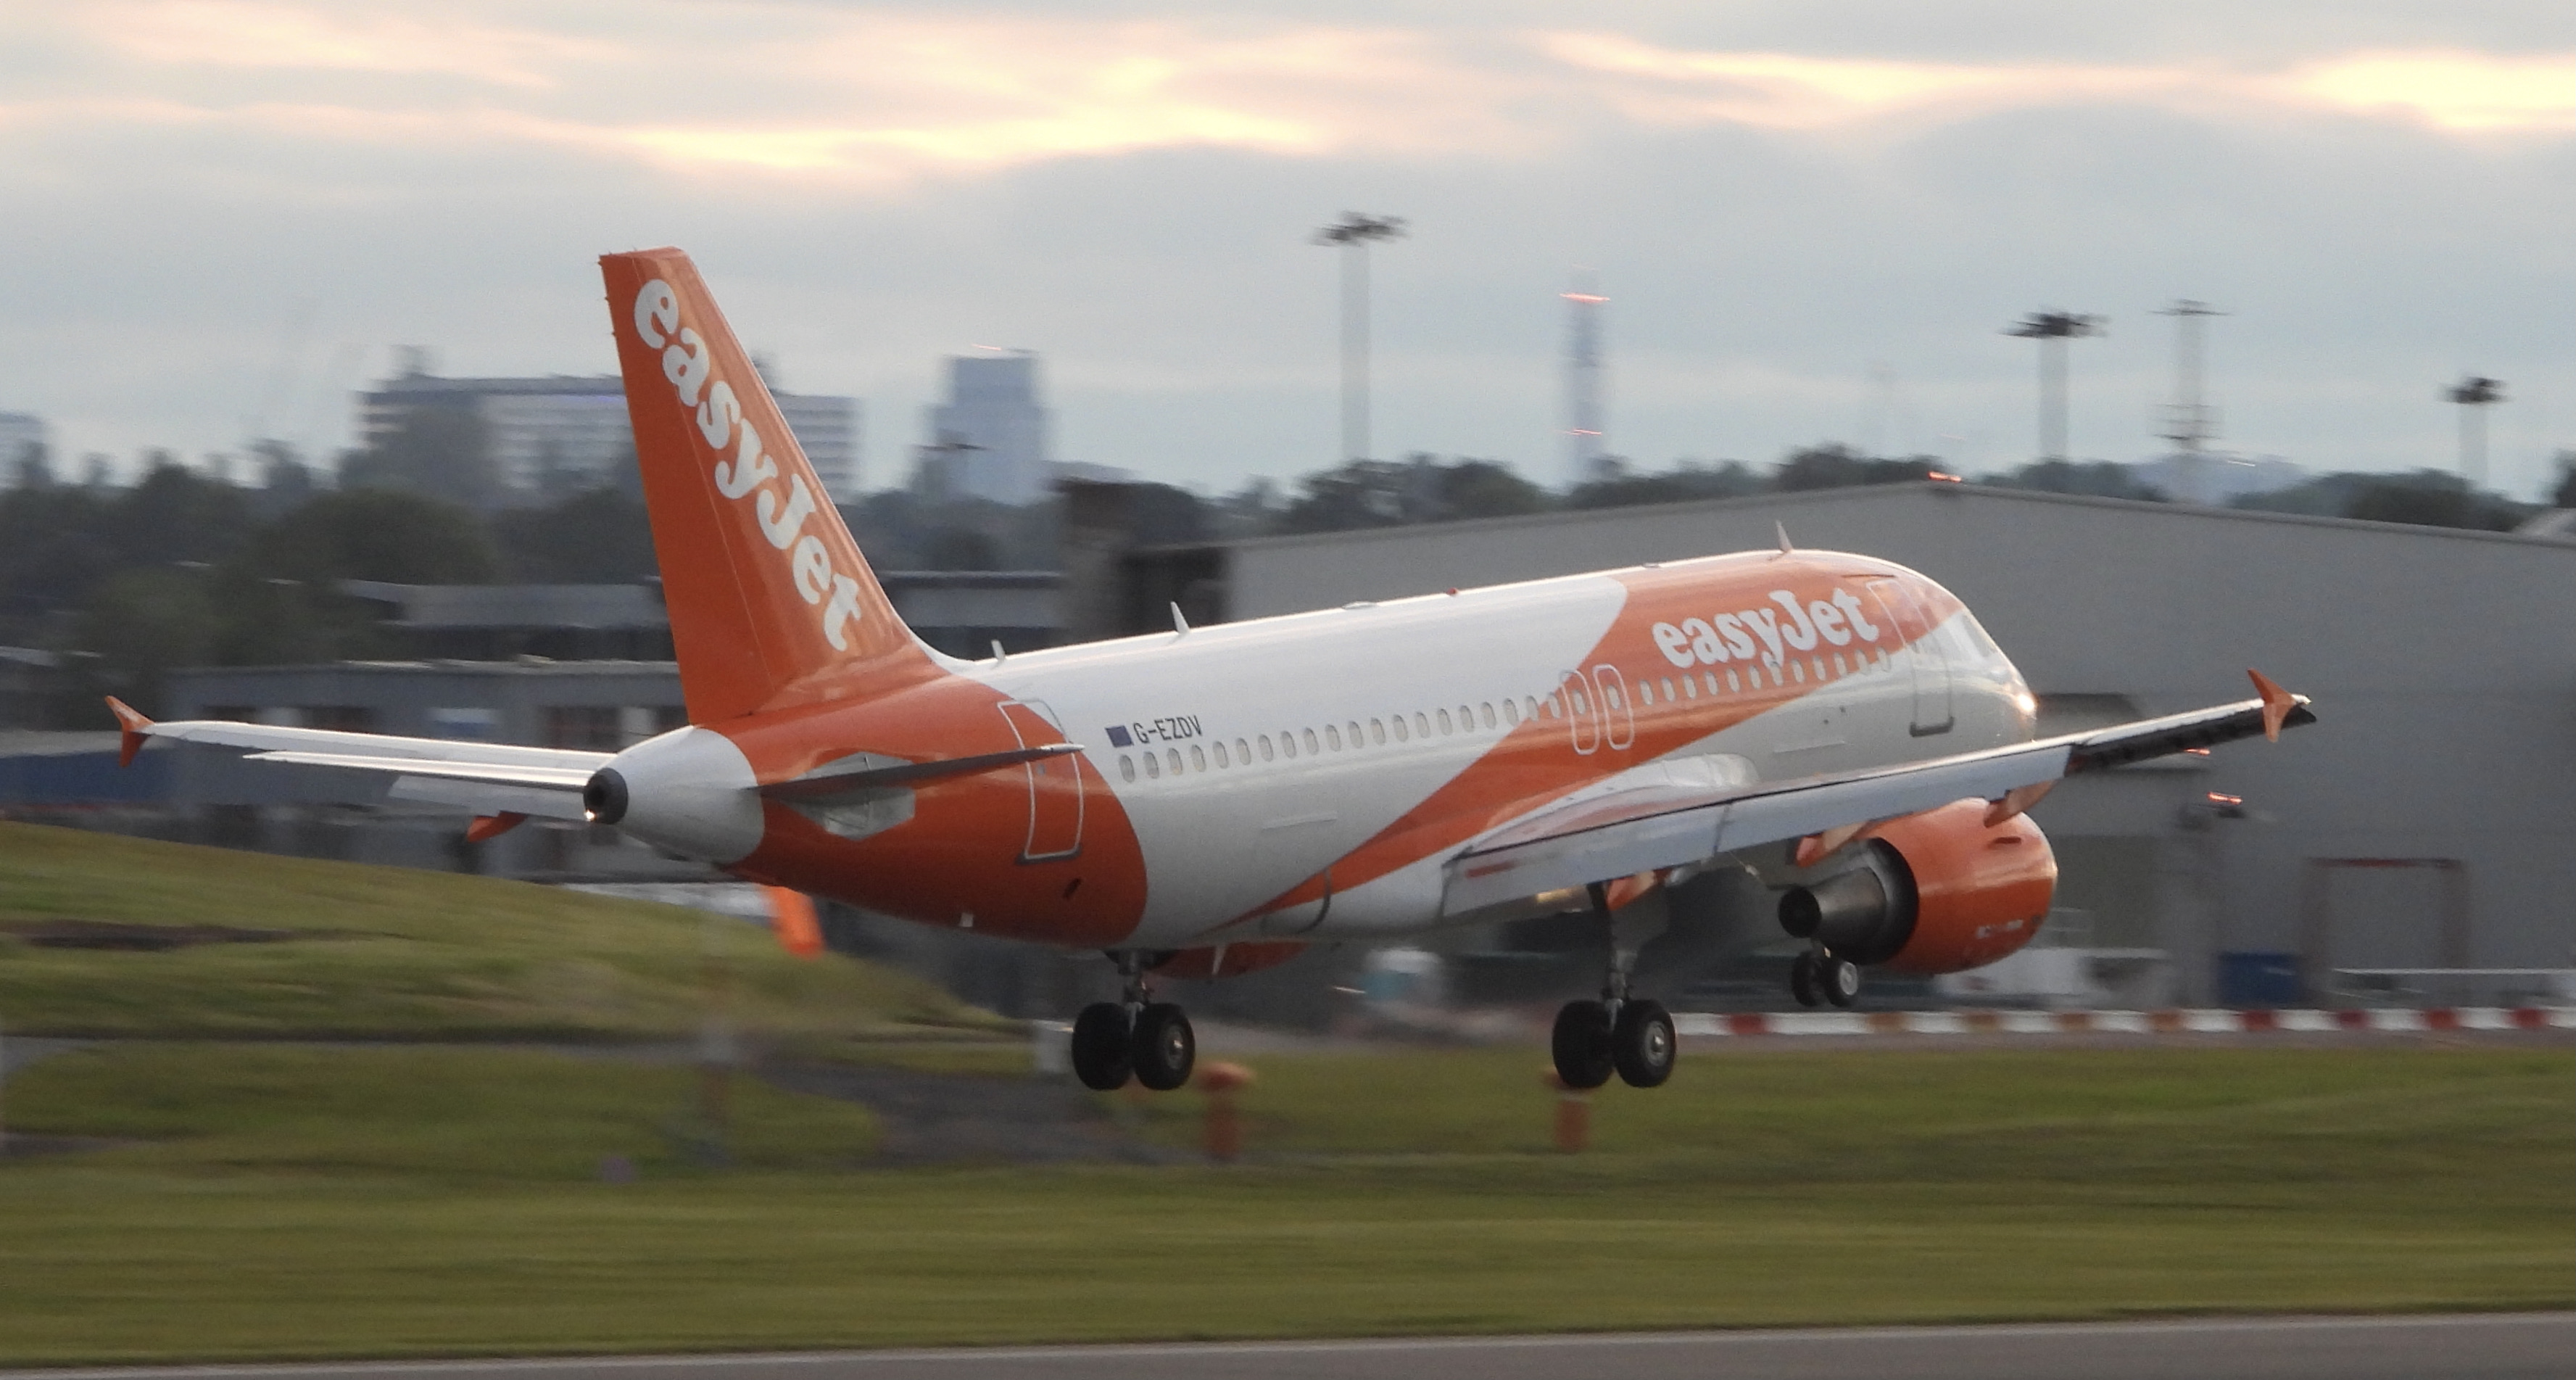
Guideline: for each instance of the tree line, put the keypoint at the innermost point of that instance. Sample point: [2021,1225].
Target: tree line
[186,568]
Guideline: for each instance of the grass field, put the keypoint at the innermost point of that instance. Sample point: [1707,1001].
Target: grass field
[328,1201]
[393,953]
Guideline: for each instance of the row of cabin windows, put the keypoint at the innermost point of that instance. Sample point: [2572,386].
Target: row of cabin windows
[1349,735]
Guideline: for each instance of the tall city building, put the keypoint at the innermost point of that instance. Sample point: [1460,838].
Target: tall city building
[989,440]
[18,431]
[561,434]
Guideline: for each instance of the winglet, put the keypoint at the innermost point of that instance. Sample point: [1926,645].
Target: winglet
[132,721]
[1781,530]
[1180,624]
[2277,704]
[485,828]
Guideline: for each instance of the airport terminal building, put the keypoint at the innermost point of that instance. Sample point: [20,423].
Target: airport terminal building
[2419,824]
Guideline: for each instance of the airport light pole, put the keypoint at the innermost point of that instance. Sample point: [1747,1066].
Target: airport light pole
[2474,394]
[2052,329]
[1352,234]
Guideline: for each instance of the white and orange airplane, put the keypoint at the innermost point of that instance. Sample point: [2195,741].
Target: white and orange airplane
[1207,801]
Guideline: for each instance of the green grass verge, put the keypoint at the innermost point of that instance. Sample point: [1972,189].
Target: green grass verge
[1389,1194]
[397,953]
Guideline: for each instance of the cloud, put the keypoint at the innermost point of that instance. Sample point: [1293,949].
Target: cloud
[1774,201]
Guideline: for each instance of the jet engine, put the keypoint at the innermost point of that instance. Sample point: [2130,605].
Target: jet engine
[1936,892]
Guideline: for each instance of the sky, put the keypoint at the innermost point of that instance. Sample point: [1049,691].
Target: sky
[1813,221]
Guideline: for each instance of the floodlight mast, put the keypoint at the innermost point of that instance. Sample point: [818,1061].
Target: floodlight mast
[2474,394]
[2188,422]
[1352,234]
[2052,329]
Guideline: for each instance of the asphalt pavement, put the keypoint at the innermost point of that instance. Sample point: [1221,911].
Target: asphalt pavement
[2511,1346]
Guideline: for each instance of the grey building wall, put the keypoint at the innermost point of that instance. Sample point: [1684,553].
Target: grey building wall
[2442,663]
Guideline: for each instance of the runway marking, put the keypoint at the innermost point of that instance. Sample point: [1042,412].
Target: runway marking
[1329,1346]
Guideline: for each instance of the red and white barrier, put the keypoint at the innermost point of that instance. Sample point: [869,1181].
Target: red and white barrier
[2192,1022]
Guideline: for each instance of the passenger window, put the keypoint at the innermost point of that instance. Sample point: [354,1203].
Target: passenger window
[1732,684]
[1265,747]
[1311,749]
[1198,758]
[1444,721]
[1332,738]
[1421,724]
[1485,711]
[1841,669]
[1243,752]
[1668,688]
[1288,743]
[1532,702]
[1153,766]
[1798,671]
[1555,708]
[1353,730]
[1466,719]
[1220,753]
[1126,767]
[1581,705]
[1176,761]
[1646,691]
[1611,694]
[1377,731]
[1400,734]
[1511,711]
[1712,682]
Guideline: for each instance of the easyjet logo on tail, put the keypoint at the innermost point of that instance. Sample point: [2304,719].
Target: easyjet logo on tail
[747,475]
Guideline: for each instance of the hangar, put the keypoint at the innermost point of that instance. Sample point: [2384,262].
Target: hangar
[2419,825]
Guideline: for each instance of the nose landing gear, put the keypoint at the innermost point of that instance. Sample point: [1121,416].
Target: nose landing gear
[1133,1037]
[1817,976]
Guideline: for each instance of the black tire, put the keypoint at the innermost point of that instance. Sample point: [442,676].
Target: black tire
[1840,977]
[1581,1044]
[1100,1044]
[1802,979]
[1643,1045]
[1163,1048]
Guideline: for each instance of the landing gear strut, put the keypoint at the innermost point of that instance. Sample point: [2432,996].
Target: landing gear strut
[1630,1036]
[1133,1037]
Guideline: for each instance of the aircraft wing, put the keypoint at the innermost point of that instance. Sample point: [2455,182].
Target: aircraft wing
[490,778]
[1622,833]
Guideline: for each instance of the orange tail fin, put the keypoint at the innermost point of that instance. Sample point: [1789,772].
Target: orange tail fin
[771,603]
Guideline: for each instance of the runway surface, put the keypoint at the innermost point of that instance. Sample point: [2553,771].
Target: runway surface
[2512,1346]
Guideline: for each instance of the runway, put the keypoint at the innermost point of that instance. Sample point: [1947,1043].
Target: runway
[2509,1346]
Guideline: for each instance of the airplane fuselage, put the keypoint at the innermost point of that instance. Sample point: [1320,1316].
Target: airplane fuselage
[1308,776]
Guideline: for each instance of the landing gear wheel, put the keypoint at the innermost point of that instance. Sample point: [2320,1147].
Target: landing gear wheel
[1100,1046]
[1802,979]
[1163,1047]
[1840,978]
[1642,1044]
[1581,1044]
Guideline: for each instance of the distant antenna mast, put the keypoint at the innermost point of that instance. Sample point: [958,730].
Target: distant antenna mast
[2475,395]
[2187,421]
[2052,329]
[1583,421]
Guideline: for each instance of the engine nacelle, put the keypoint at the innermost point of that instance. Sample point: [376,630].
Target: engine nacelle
[1936,892]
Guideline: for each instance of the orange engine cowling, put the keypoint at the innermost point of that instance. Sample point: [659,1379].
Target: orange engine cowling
[1931,893]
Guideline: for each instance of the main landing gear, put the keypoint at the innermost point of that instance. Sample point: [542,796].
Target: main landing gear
[1817,976]
[1133,1037]
[1630,1036]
